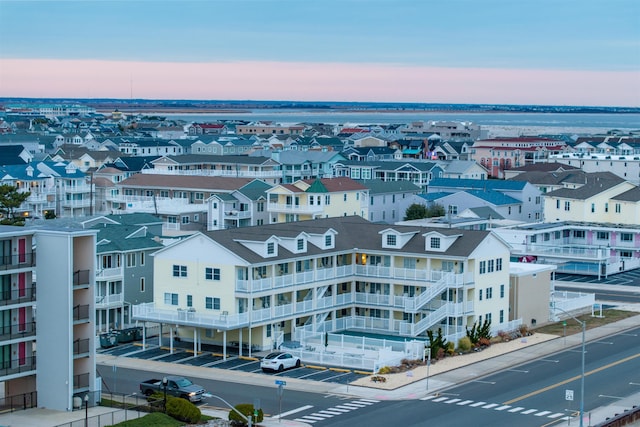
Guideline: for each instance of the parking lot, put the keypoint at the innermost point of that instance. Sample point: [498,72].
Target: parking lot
[627,278]
[209,359]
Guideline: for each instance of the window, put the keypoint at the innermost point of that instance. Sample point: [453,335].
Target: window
[480,294]
[617,207]
[344,197]
[271,248]
[489,293]
[626,237]
[212,303]
[490,266]
[578,234]
[567,205]
[391,239]
[488,316]
[498,264]
[189,300]
[300,244]
[179,271]
[199,196]
[501,291]
[212,273]
[606,207]
[170,299]
[131,260]
[626,254]
[328,240]
[602,235]
[327,200]
[142,284]
[483,267]
[593,207]
[501,316]
[557,204]
[185,220]
[435,243]
[534,238]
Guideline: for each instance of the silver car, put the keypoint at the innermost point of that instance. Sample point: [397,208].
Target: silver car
[279,362]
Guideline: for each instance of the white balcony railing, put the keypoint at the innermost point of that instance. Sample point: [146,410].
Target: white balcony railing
[109,273]
[103,301]
[297,209]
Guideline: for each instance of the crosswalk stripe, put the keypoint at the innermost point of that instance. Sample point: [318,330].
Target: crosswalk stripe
[332,412]
[304,421]
[490,405]
[352,405]
[341,410]
[368,400]
[440,399]
[320,414]
[516,409]
[428,397]
[542,414]
[528,411]
[313,417]
[364,402]
[464,402]
[453,401]
[478,404]
[343,407]
[556,415]
[503,407]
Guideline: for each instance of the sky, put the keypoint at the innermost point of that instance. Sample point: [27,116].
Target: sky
[551,52]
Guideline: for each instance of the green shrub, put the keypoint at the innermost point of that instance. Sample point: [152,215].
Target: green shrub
[247,410]
[464,344]
[451,348]
[183,410]
[384,370]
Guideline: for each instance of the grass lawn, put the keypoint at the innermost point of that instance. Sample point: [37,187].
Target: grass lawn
[157,419]
[573,327]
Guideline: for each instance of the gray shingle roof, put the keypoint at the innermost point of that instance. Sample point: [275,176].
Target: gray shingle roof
[596,183]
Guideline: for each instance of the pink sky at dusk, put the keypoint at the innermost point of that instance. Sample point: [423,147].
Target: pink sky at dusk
[300,81]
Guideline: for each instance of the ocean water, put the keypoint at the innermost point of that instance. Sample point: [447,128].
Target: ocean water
[553,121]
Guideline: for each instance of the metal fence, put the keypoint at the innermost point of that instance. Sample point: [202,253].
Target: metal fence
[114,408]
[19,402]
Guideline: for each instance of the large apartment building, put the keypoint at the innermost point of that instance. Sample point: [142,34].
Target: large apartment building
[64,334]
[259,286]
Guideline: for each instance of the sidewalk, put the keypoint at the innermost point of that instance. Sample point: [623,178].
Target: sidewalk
[414,388]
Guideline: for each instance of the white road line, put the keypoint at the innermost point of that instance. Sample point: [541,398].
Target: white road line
[518,370]
[343,407]
[428,397]
[542,414]
[464,402]
[490,405]
[304,421]
[528,411]
[519,408]
[352,405]
[556,415]
[368,400]
[331,411]
[484,382]
[549,360]
[453,401]
[362,403]
[478,404]
[320,414]
[503,407]
[293,411]
[342,411]
[313,417]
[440,399]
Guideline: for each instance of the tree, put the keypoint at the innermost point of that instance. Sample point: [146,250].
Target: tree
[11,199]
[435,211]
[415,211]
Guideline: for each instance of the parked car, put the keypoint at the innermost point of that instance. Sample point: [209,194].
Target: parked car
[279,362]
[175,386]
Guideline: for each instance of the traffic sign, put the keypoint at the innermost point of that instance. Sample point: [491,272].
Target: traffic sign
[568,395]
[280,382]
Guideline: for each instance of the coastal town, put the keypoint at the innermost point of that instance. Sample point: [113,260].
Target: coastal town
[347,245]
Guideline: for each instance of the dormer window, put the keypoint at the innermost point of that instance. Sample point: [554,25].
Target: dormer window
[328,240]
[435,243]
[391,240]
[300,244]
[271,248]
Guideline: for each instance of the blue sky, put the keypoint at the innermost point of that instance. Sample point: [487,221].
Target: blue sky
[596,40]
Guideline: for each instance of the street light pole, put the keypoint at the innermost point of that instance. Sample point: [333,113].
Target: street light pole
[86,410]
[248,419]
[164,387]
[584,327]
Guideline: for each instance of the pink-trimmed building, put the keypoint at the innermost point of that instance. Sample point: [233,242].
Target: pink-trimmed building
[500,154]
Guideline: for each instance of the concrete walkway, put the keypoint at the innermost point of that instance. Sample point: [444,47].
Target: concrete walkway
[414,390]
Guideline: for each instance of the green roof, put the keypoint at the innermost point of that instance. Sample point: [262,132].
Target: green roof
[317,187]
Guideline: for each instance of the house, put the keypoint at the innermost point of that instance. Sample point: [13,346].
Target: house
[589,198]
[418,172]
[257,287]
[530,292]
[59,285]
[240,208]
[456,202]
[389,200]
[540,168]
[626,166]
[523,201]
[317,198]
[297,165]
[206,129]
[462,169]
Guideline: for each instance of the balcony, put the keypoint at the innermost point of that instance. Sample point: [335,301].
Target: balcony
[158,205]
[81,278]
[235,214]
[110,273]
[294,209]
[80,382]
[10,262]
[81,348]
[18,296]
[18,367]
[107,301]
[81,313]
[17,330]
[80,203]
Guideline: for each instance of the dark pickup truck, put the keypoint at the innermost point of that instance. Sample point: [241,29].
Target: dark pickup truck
[176,386]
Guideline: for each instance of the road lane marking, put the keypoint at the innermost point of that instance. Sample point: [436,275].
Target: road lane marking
[528,411]
[490,405]
[304,421]
[556,415]
[293,411]
[542,414]
[516,409]
[368,400]
[518,370]
[478,404]
[483,382]
[502,408]
[464,402]
[453,401]
[549,360]
[428,397]
[574,378]
[440,399]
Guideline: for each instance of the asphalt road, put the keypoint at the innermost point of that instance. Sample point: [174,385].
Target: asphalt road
[532,394]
